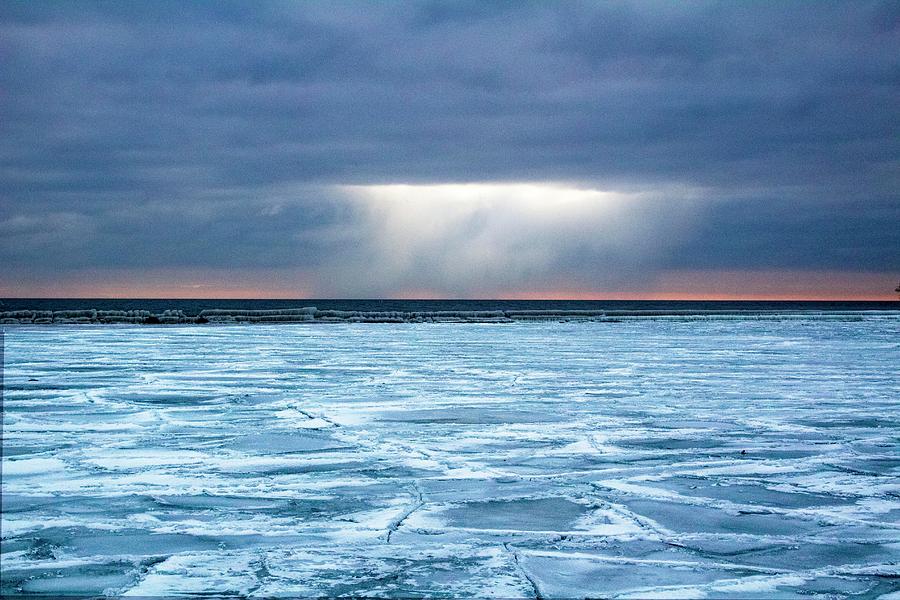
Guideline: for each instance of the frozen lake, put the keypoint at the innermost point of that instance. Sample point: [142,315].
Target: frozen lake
[646,458]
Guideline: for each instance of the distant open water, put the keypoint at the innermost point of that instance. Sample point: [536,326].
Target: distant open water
[193,307]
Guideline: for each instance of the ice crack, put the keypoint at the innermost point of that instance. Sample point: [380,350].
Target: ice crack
[398,522]
[523,572]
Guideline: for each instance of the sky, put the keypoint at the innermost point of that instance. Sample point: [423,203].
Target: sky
[460,149]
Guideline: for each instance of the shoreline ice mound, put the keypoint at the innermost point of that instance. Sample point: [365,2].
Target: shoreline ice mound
[396,316]
[310,314]
[88,316]
[224,315]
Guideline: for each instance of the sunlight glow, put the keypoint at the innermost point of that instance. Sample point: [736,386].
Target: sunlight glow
[528,197]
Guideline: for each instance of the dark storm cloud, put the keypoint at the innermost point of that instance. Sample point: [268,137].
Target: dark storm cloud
[208,134]
[856,233]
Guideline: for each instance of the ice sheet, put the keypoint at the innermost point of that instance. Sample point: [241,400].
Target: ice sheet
[648,458]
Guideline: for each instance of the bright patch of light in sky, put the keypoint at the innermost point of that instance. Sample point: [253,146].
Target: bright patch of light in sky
[496,236]
[529,196]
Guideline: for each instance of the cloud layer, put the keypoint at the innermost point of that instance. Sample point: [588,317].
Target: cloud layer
[241,138]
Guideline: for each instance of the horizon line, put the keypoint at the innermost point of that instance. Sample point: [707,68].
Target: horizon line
[648,298]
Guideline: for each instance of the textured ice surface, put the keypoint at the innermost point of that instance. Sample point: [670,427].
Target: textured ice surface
[636,459]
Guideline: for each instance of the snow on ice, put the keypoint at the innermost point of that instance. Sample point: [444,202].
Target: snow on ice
[647,458]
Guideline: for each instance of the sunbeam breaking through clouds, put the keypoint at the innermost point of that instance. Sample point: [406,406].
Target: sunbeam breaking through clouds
[501,238]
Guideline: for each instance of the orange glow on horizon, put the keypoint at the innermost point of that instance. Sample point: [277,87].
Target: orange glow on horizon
[234,293]
[674,285]
[255,294]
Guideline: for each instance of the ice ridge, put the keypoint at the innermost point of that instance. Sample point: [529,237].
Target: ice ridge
[310,314]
